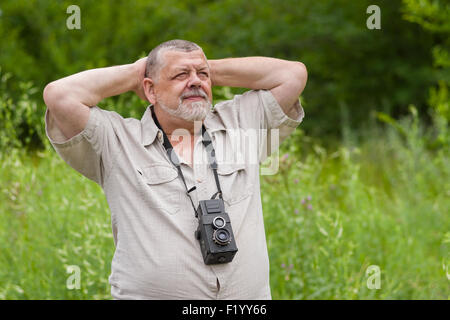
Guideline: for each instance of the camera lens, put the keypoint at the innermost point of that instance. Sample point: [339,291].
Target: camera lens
[221,237]
[219,222]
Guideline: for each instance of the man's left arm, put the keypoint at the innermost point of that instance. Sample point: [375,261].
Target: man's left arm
[285,79]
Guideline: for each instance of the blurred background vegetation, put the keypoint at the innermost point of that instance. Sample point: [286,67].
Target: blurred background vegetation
[374,140]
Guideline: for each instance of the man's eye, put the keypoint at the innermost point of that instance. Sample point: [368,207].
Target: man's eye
[181,75]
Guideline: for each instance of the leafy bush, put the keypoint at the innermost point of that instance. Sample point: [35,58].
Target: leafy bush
[21,120]
[351,68]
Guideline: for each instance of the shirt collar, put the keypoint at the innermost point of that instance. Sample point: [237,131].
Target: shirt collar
[150,130]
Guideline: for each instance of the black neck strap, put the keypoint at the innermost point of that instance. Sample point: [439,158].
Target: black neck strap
[206,140]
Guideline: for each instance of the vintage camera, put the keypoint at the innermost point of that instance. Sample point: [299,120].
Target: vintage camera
[214,232]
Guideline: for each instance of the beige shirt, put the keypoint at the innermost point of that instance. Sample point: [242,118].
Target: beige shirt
[153,222]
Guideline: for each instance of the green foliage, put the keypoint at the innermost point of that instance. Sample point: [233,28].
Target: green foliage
[351,68]
[334,214]
[439,102]
[408,127]
[431,14]
[21,121]
[43,230]
[434,16]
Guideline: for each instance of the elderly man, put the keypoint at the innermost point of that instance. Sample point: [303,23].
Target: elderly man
[151,199]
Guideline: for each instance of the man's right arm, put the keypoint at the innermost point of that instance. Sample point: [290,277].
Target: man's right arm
[69,99]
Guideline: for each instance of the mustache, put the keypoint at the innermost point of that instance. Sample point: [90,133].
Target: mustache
[194,92]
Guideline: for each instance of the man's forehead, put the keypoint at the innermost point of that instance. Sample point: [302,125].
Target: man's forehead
[179,59]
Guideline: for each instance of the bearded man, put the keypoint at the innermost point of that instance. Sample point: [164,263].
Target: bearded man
[152,198]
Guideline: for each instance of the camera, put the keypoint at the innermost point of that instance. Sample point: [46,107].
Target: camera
[214,232]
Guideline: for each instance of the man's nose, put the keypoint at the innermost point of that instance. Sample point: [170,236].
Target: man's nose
[194,80]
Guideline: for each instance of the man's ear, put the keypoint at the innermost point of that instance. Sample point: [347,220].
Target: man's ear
[149,90]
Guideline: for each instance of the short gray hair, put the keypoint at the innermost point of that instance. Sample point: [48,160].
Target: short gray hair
[154,59]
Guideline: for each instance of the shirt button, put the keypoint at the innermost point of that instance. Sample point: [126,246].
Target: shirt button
[199,180]
[159,134]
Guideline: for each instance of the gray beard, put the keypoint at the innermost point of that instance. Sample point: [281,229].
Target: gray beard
[197,110]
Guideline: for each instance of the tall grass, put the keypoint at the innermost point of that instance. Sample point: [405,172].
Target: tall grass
[50,218]
[385,203]
[331,214]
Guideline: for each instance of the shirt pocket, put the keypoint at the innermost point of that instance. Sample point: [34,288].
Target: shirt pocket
[235,183]
[161,187]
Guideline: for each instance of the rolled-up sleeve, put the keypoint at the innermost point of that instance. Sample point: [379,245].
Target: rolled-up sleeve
[89,152]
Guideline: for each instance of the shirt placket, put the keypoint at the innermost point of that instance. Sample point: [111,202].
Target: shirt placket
[200,171]
[206,187]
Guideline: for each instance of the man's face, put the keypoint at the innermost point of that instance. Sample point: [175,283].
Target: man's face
[183,87]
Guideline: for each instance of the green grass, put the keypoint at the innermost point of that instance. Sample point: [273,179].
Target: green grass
[384,203]
[51,218]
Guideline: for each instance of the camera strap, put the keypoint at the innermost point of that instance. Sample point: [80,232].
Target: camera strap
[206,140]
